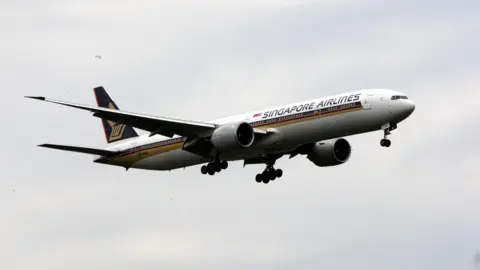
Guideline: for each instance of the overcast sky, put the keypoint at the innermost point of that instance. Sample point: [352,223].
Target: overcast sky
[414,205]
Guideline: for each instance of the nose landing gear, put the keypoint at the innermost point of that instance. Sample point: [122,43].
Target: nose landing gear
[387,131]
[385,142]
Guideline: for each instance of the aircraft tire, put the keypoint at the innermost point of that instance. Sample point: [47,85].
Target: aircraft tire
[271,174]
[278,173]
[204,169]
[224,164]
[385,143]
[258,178]
[211,168]
[265,175]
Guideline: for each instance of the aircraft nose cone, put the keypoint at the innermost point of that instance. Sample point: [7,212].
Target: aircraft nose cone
[411,106]
[408,107]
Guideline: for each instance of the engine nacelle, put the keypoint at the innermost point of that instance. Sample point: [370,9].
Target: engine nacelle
[233,136]
[330,153]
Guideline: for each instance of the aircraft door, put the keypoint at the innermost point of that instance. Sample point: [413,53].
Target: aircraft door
[367,102]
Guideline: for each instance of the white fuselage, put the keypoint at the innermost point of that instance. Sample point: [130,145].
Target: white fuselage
[367,111]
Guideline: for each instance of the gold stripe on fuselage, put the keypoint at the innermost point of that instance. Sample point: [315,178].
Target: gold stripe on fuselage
[132,156]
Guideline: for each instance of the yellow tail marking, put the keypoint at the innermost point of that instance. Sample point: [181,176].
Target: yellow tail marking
[117,130]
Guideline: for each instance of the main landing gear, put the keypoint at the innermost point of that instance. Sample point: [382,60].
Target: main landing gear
[214,166]
[269,174]
[387,131]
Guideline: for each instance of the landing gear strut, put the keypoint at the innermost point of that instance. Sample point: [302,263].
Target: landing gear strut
[214,166]
[386,131]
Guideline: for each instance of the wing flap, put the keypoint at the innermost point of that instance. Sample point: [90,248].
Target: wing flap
[84,150]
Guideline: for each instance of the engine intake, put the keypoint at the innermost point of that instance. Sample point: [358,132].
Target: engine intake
[232,136]
[330,153]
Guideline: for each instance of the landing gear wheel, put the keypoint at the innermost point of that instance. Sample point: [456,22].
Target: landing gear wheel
[265,176]
[385,143]
[211,168]
[271,174]
[278,173]
[224,164]
[218,167]
[214,166]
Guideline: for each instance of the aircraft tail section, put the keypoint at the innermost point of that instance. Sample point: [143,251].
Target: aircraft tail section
[113,132]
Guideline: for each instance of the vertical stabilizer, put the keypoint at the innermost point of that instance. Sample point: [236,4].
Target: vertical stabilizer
[113,132]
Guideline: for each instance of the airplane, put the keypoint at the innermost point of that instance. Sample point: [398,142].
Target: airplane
[314,128]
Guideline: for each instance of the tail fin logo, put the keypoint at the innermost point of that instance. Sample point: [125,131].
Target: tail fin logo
[116,130]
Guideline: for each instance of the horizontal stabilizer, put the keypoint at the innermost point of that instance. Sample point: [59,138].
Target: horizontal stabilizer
[39,98]
[85,150]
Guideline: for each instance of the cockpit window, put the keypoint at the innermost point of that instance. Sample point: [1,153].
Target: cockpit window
[399,97]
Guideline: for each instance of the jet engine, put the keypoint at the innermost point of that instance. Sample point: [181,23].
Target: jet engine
[233,136]
[330,153]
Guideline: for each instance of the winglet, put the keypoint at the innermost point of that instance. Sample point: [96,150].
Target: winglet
[33,97]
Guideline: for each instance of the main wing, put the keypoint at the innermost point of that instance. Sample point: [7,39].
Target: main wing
[155,125]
